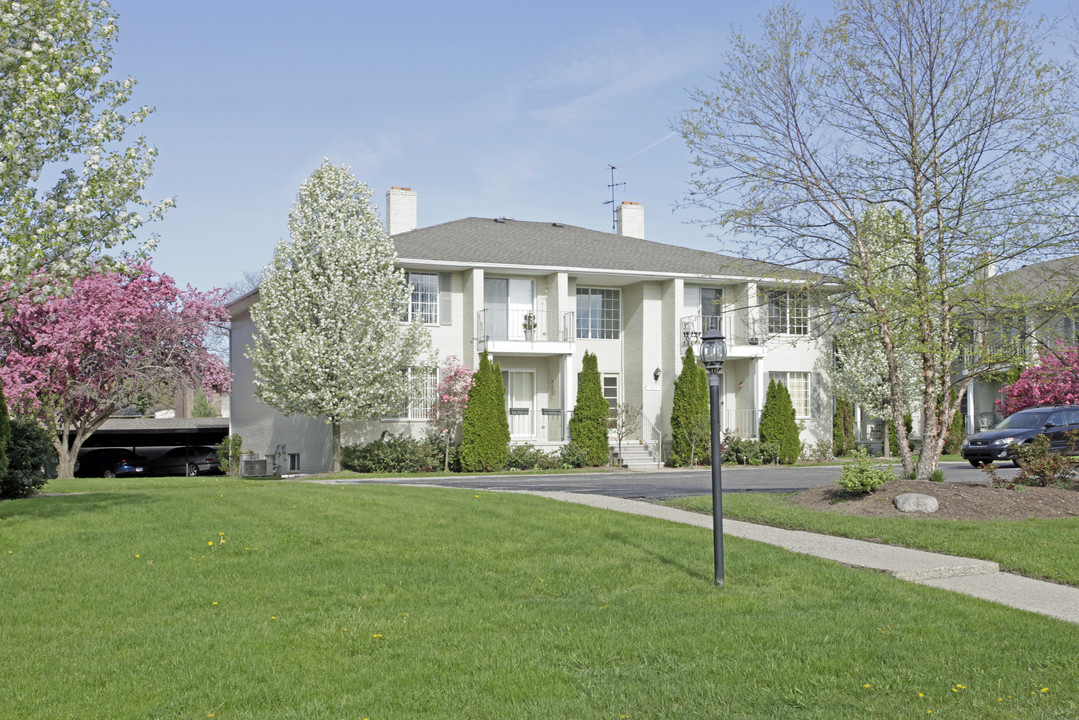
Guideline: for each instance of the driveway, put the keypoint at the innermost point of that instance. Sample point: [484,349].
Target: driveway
[666,483]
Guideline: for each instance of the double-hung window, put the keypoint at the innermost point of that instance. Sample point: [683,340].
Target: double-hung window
[598,313]
[788,313]
[797,384]
[424,303]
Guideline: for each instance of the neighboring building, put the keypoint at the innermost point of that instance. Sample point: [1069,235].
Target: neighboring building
[537,295]
[1023,310]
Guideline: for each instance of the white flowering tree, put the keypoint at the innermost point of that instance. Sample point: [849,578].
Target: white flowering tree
[328,339]
[70,184]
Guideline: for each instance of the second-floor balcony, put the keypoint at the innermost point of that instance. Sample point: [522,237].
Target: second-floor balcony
[744,338]
[526,331]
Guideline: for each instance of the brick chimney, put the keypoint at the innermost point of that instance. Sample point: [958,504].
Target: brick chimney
[630,217]
[401,213]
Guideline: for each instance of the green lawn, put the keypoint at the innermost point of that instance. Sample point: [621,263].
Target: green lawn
[1039,548]
[192,598]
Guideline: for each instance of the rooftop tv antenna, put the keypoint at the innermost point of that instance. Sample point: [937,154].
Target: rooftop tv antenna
[614,208]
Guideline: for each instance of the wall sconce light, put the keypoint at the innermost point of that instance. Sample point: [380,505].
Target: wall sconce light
[655,375]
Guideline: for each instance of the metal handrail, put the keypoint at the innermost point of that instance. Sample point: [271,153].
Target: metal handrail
[650,437]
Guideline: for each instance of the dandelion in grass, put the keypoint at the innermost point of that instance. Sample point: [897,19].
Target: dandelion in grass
[921,695]
[215,603]
[377,635]
[137,556]
[1045,690]
[867,686]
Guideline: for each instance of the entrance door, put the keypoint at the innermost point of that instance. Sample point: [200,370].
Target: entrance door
[520,401]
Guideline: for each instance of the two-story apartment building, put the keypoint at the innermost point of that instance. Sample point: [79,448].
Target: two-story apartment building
[1014,315]
[536,295]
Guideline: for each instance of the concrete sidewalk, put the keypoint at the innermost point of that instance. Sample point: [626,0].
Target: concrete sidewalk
[978,578]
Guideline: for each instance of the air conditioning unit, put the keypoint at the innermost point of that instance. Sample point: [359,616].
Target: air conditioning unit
[253,467]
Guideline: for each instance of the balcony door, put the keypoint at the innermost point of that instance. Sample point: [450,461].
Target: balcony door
[508,302]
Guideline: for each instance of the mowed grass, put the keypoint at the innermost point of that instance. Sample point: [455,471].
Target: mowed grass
[192,598]
[1047,549]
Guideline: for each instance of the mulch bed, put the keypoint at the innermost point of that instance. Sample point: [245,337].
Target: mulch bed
[960,501]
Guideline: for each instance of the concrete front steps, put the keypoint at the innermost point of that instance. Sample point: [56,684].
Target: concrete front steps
[635,456]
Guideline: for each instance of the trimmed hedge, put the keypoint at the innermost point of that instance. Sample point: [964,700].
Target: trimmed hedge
[843,428]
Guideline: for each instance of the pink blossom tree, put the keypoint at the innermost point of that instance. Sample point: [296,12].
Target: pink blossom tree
[451,399]
[1053,381]
[74,359]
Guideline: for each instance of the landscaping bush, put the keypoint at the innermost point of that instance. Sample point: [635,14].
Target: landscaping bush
[437,442]
[862,476]
[591,414]
[817,452]
[29,450]
[485,430]
[523,457]
[228,454]
[778,422]
[573,455]
[1038,466]
[748,451]
[936,476]
[391,454]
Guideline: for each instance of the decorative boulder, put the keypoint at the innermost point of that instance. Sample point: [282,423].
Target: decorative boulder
[915,502]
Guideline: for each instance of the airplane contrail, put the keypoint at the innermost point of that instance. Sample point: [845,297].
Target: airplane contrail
[646,148]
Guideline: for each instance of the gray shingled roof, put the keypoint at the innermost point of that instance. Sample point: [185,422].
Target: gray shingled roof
[484,241]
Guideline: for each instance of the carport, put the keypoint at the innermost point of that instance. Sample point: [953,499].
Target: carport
[136,433]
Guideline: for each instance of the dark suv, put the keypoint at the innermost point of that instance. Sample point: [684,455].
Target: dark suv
[993,445]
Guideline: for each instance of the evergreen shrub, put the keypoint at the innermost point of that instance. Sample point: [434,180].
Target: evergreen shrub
[591,415]
[485,430]
[29,450]
[843,428]
[778,423]
[691,422]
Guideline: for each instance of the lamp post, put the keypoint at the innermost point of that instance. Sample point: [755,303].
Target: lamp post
[713,353]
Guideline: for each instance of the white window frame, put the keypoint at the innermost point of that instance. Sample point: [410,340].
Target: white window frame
[788,312]
[610,320]
[801,399]
[605,386]
[423,303]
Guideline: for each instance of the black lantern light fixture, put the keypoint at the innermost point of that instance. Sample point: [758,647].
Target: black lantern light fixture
[655,375]
[713,354]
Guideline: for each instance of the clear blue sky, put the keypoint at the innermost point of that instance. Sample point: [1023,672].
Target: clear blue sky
[484,108]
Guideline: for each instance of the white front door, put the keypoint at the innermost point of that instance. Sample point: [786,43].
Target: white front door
[520,401]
